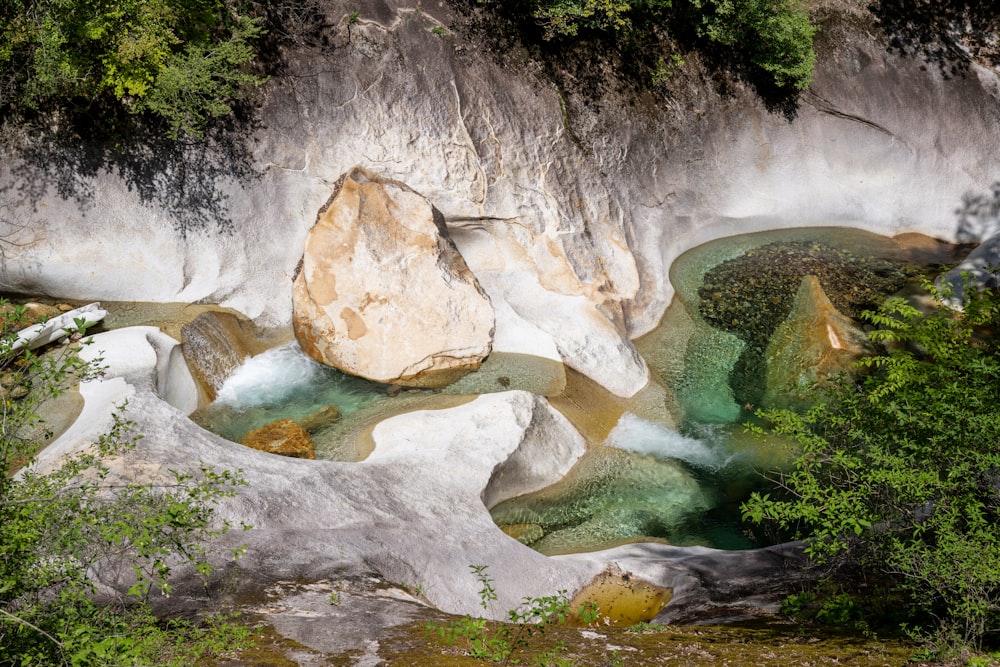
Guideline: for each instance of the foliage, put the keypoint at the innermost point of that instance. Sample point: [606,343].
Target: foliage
[499,642]
[566,17]
[61,527]
[775,36]
[899,475]
[181,60]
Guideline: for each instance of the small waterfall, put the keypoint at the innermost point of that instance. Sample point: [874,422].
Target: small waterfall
[638,435]
[284,383]
[270,377]
[215,344]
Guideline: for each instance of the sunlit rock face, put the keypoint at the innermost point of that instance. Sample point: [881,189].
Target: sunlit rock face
[284,437]
[594,197]
[384,294]
[816,343]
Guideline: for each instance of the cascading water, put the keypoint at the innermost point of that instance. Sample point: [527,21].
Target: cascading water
[284,383]
[644,480]
[643,437]
[685,486]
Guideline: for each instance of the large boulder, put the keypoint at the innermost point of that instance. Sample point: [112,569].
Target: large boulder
[816,343]
[384,294]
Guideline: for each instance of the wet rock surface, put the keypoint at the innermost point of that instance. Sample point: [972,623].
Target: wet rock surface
[750,295]
[215,344]
[283,437]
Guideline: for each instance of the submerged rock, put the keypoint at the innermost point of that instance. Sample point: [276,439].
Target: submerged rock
[609,497]
[284,437]
[525,533]
[816,343]
[320,419]
[384,294]
[751,295]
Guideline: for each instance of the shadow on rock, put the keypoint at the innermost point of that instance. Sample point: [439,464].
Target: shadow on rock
[947,33]
[979,215]
[183,178]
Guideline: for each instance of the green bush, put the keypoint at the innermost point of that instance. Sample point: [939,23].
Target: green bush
[774,36]
[59,528]
[777,37]
[498,642]
[181,60]
[899,475]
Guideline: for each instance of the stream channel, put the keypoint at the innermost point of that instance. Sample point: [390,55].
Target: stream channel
[672,463]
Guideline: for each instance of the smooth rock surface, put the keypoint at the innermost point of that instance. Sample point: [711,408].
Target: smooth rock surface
[384,294]
[147,359]
[412,512]
[599,195]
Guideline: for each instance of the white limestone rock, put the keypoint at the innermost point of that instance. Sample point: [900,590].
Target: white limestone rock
[148,359]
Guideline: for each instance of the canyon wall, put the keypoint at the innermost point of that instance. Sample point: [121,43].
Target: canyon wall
[568,206]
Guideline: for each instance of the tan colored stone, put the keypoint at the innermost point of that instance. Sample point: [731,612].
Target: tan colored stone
[622,600]
[525,533]
[10,379]
[284,437]
[384,294]
[815,343]
[32,313]
[320,419]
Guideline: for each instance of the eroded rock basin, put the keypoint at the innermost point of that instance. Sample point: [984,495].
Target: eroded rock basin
[413,505]
[678,472]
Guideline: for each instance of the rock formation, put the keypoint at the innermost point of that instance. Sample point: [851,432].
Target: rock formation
[413,511]
[815,343]
[570,209]
[283,437]
[384,294]
[597,197]
[215,344]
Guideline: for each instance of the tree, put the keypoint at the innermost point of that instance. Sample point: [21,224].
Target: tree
[774,36]
[59,528]
[181,60]
[899,475]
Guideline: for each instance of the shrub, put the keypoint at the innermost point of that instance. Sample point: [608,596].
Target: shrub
[181,60]
[777,37]
[59,528]
[498,642]
[899,475]
[774,36]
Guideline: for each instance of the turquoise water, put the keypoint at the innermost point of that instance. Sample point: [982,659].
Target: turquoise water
[644,481]
[284,383]
[683,485]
